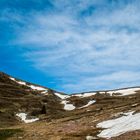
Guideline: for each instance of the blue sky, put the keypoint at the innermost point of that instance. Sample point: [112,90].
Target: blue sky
[71,45]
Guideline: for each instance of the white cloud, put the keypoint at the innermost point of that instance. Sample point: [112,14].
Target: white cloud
[108,81]
[100,50]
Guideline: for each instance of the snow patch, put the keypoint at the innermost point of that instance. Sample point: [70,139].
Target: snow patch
[21,83]
[36,88]
[121,92]
[67,105]
[88,104]
[44,90]
[23,117]
[85,94]
[12,79]
[124,92]
[121,125]
[62,96]
[91,138]
[134,105]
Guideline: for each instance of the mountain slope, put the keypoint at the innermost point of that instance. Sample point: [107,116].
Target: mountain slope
[45,114]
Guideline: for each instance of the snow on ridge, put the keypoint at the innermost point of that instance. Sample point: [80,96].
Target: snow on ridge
[88,94]
[36,87]
[124,92]
[88,104]
[12,78]
[67,105]
[119,92]
[19,82]
[23,117]
[115,127]
[44,90]
[62,96]
[22,83]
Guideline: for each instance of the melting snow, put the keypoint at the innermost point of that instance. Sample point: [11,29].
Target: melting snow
[88,104]
[31,86]
[91,138]
[45,92]
[23,117]
[36,87]
[85,94]
[121,125]
[124,92]
[22,83]
[19,82]
[12,79]
[62,96]
[121,92]
[134,105]
[67,105]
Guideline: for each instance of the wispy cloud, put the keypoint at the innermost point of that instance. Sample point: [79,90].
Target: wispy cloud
[89,44]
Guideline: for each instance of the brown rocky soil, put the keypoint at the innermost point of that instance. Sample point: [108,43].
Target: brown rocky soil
[56,123]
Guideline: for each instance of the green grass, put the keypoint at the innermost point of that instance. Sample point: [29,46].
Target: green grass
[6,133]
